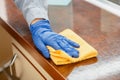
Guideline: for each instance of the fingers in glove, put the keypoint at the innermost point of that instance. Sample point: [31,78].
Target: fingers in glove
[68,48]
[72,43]
[55,46]
[41,47]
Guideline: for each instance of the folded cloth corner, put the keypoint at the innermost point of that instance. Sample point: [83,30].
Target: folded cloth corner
[59,57]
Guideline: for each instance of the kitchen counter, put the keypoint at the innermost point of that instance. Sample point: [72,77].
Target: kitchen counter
[98,27]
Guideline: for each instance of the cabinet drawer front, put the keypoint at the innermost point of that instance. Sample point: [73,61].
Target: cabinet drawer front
[24,70]
[30,60]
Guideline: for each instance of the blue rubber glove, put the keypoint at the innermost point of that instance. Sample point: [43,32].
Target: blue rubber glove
[43,36]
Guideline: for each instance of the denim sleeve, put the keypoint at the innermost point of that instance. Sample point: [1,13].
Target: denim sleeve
[32,9]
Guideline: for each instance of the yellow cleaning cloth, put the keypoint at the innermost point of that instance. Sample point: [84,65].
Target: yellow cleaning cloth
[59,57]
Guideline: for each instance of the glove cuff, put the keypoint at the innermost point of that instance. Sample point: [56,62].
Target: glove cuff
[41,25]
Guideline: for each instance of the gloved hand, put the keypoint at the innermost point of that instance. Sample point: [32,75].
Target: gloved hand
[43,36]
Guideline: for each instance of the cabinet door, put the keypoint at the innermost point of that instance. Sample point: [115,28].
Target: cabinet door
[23,61]
[5,47]
[5,50]
[24,69]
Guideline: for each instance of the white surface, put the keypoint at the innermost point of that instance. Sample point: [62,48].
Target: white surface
[107,5]
[98,72]
[59,2]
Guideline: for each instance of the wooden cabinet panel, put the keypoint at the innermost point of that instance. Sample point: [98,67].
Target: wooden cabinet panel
[24,69]
[5,47]
[27,66]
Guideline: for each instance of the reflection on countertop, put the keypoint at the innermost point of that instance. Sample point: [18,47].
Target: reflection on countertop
[98,27]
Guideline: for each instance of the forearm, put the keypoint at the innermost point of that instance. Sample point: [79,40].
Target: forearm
[33,9]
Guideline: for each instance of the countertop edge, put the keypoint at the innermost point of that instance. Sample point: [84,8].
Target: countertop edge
[41,61]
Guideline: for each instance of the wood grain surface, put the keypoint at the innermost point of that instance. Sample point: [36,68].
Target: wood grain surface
[98,27]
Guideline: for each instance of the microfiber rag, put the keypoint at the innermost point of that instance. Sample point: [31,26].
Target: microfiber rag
[59,57]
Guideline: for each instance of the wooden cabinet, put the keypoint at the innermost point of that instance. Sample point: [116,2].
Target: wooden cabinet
[5,47]
[5,51]
[26,68]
